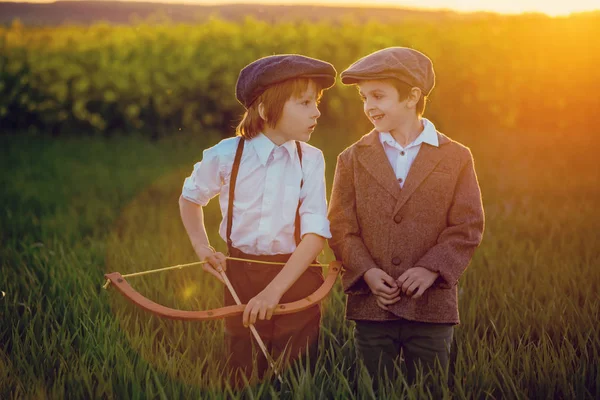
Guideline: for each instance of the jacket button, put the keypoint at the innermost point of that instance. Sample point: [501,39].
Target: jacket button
[396,260]
[397,218]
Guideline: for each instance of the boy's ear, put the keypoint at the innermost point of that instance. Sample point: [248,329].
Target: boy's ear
[414,95]
[261,111]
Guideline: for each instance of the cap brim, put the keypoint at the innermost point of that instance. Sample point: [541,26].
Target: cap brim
[352,79]
[327,80]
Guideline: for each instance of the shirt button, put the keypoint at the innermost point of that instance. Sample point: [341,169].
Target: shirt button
[397,218]
[400,180]
[396,260]
[402,153]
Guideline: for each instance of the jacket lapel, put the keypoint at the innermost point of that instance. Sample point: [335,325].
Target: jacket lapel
[429,156]
[374,160]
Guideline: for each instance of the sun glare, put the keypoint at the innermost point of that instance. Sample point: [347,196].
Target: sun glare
[189,291]
[552,8]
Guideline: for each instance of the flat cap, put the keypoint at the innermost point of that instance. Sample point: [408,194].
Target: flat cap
[257,76]
[407,65]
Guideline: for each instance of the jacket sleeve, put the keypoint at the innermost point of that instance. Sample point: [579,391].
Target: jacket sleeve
[456,244]
[346,241]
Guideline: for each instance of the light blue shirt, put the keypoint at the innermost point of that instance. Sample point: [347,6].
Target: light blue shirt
[402,158]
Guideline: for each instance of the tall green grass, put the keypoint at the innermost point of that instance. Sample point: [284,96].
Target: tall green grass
[74,209]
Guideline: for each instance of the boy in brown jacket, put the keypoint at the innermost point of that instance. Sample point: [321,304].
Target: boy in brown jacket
[406,216]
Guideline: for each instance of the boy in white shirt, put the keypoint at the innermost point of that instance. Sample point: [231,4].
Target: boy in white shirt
[272,197]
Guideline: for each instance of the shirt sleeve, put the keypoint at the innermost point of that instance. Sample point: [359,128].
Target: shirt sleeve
[205,181]
[313,210]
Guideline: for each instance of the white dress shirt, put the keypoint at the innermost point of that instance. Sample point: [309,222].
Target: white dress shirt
[402,158]
[266,194]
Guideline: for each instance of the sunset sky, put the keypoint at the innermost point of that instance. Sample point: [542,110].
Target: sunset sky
[550,7]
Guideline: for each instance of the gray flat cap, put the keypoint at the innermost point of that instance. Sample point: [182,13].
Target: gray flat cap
[257,76]
[407,65]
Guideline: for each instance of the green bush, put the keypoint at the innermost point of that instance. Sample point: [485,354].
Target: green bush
[494,73]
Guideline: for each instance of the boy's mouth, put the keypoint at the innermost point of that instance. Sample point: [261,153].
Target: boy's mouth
[312,127]
[377,117]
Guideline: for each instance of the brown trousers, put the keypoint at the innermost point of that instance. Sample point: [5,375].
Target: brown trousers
[288,336]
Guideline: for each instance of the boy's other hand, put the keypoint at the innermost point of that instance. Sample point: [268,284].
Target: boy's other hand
[383,286]
[383,303]
[260,306]
[215,261]
[415,281]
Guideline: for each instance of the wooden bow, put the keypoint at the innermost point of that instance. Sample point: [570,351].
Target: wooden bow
[121,284]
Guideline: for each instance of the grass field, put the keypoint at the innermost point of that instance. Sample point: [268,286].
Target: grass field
[75,208]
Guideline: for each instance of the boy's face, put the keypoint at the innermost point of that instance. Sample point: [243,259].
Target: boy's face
[299,116]
[382,105]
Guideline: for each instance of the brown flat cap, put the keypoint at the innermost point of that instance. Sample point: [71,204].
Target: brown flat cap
[407,65]
[257,76]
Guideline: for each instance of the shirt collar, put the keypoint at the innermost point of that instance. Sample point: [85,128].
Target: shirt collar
[290,146]
[428,135]
[264,146]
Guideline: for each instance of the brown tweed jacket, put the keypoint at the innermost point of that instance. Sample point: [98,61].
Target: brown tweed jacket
[435,221]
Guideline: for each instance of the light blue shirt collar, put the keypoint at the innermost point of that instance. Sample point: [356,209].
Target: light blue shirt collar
[428,135]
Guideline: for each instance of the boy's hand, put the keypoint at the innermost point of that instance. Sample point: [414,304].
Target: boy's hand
[415,281]
[215,260]
[383,303]
[260,306]
[383,286]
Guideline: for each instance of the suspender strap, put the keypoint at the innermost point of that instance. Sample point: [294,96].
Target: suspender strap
[232,181]
[297,222]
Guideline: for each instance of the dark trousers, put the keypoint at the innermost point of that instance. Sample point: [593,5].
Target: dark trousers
[378,344]
[286,336]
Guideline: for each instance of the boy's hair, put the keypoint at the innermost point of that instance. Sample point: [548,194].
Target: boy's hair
[273,100]
[403,90]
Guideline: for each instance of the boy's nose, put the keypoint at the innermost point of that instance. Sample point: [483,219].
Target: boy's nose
[317,113]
